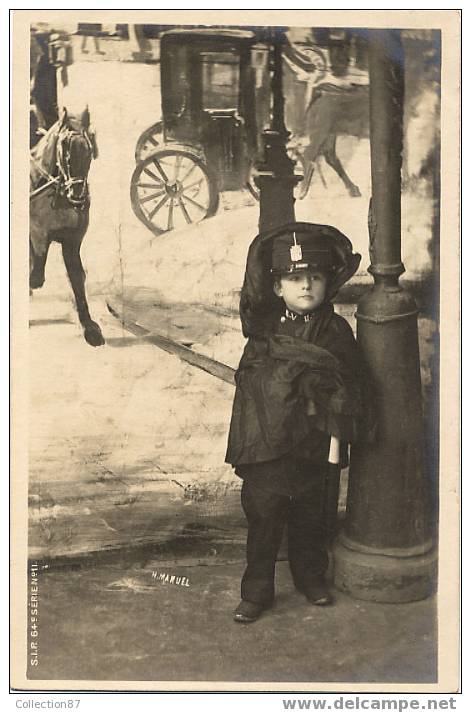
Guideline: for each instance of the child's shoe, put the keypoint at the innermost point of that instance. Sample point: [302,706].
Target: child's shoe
[318,593]
[247,612]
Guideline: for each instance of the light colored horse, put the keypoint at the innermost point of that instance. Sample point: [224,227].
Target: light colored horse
[334,111]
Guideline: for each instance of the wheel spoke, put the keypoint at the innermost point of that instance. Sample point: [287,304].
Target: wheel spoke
[188,173]
[178,163]
[152,175]
[184,210]
[160,170]
[170,215]
[198,205]
[151,196]
[158,206]
[192,185]
[152,141]
[148,185]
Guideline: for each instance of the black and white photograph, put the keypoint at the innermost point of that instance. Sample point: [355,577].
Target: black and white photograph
[235,373]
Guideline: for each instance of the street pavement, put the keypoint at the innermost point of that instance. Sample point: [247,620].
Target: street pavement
[128,621]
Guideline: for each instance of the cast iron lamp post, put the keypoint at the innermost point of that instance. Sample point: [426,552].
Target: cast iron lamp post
[385,552]
[274,176]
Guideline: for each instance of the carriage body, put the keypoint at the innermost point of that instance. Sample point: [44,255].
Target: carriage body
[208,131]
[208,100]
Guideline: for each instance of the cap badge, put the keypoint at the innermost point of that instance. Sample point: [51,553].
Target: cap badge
[295,251]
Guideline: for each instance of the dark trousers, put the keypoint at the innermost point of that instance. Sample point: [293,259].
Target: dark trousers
[267,515]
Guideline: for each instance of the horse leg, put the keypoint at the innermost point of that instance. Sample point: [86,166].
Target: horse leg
[309,158]
[76,274]
[312,153]
[37,265]
[334,162]
[303,189]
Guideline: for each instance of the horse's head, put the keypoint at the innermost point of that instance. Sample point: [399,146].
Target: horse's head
[76,146]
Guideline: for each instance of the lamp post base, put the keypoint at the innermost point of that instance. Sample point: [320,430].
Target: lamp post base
[388,578]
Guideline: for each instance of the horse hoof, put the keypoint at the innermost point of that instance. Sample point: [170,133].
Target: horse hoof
[35,282]
[93,335]
[355,192]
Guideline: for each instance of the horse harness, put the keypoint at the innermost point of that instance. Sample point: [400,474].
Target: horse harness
[64,181]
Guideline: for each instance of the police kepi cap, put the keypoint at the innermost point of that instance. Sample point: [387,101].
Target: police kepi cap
[298,245]
[299,250]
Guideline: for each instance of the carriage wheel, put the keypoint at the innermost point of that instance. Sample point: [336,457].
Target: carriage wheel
[148,141]
[173,188]
[299,170]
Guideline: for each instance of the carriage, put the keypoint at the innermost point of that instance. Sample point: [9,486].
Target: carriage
[206,141]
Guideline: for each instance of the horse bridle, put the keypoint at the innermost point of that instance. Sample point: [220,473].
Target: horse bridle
[66,180]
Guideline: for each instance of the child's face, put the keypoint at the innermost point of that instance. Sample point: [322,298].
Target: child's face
[301,290]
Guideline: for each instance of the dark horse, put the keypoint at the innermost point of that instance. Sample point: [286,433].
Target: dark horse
[60,204]
[331,112]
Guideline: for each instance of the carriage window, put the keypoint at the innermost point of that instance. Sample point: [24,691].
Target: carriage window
[177,89]
[220,75]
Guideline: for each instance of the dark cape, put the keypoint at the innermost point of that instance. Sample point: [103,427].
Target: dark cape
[297,381]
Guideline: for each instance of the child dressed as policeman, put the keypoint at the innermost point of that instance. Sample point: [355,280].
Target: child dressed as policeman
[300,399]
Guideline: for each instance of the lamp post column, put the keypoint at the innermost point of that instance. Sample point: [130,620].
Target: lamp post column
[385,552]
[274,176]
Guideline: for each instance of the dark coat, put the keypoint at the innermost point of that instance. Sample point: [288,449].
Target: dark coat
[290,387]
